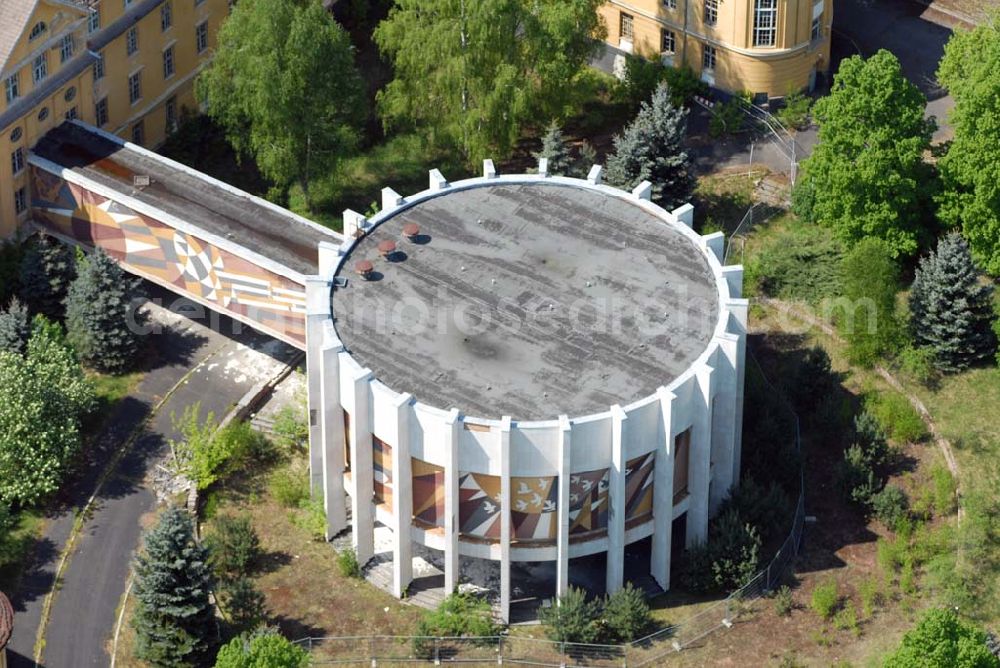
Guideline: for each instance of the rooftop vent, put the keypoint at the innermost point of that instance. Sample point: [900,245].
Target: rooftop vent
[364,268]
[387,247]
[411,231]
[140,181]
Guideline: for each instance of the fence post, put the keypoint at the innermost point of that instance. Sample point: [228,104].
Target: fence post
[500,651]
[371,651]
[437,651]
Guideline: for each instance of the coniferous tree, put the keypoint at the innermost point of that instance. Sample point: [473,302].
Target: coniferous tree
[556,151]
[174,621]
[14,327]
[950,309]
[650,149]
[101,316]
[47,270]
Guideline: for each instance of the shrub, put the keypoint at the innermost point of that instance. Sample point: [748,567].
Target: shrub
[459,614]
[783,603]
[871,596]
[871,437]
[891,506]
[347,563]
[801,263]
[245,605]
[857,479]
[825,599]
[291,428]
[311,518]
[918,364]
[897,416]
[907,577]
[15,328]
[846,619]
[726,562]
[572,618]
[767,508]
[289,488]
[262,648]
[890,554]
[727,118]
[942,639]
[234,547]
[945,489]
[626,614]
[684,84]
[795,113]
[868,318]
[812,379]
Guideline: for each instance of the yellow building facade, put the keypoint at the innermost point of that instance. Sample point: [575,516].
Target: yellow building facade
[126,66]
[764,47]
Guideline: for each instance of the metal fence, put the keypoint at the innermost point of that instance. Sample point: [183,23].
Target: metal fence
[650,650]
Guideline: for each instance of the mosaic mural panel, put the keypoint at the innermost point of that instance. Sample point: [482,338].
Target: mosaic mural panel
[639,487]
[382,469]
[533,513]
[479,505]
[588,501]
[157,251]
[428,492]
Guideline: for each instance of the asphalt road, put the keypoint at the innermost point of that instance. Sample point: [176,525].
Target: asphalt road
[83,611]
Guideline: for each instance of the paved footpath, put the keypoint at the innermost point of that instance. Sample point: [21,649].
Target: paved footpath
[197,365]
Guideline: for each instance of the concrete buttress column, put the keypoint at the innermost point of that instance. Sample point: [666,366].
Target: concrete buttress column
[663,494]
[402,499]
[505,505]
[616,502]
[738,309]
[332,428]
[724,419]
[451,503]
[317,312]
[562,507]
[362,471]
[701,450]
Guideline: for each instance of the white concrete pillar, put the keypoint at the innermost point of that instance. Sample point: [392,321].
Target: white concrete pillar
[362,469]
[451,503]
[543,167]
[701,450]
[663,494]
[738,309]
[724,419]
[332,429]
[317,312]
[390,199]
[616,502]
[684,214]
[329,257]
[354,224]
[402,499]
[734,279]
[594,175]
[715,242]
[436,180]
[505,505]
[562,507]
[643,191]
[489,169]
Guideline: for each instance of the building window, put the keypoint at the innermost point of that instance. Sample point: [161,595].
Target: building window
[168,62]
[817,28]
[765,22]
[99,67]
[166,16]
[12,87]
[70,94]
[43,113]
[170,110]
[670,4]
[20,200]
[16,134]
[201,36]
[711,12]
[101,112]
[682,463]
[627,26]
[708,58]
[71,113]
[66,48]
[17,160]
[135,87]
[36,30]
[668,41]
[138,133]
[41,68]
[132,40]
[94,19]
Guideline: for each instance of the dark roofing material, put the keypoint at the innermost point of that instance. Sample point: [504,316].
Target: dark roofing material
[519,258]
[221,212]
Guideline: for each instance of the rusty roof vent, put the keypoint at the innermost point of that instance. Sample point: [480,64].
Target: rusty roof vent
[411,231]
[364,268]
[387,247]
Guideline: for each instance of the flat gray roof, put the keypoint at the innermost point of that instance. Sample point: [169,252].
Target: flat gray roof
[529,300]
[222,212]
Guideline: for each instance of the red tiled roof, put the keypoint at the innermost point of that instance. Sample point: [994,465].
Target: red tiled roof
[6,620]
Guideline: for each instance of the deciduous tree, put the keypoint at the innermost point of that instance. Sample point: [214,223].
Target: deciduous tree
[284,85]
[867,176]
[263,649]
[951,312]
[650,148]
[174,622]
[942,639]
[475,73]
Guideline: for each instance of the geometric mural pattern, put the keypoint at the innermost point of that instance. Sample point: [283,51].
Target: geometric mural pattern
[160,252]
[382,470]
[639,487]
[428,493]
[588,501]
[533,513]
[479,505]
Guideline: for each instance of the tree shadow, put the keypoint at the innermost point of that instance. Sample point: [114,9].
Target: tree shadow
[297,629]
[269,562]
[37,578]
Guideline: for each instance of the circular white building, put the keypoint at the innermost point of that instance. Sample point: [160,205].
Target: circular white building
[525,368]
